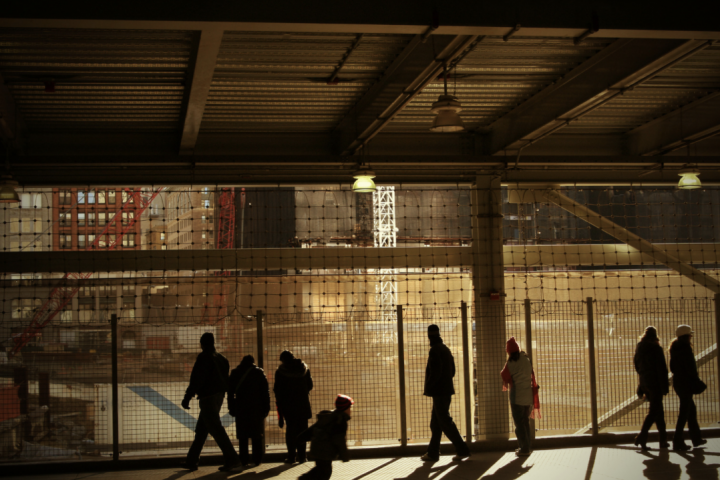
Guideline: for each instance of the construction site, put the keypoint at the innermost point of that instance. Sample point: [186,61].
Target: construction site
[315,187]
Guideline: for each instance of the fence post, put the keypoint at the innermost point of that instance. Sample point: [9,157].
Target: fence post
[467,358]
[717,335]
[591,365]
[401,376]
[260,346]
[529,350]
[115,402]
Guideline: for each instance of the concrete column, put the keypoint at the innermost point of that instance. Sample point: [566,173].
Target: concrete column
[489,315]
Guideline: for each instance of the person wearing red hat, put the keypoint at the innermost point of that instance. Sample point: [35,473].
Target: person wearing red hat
[328,439]
[519,376]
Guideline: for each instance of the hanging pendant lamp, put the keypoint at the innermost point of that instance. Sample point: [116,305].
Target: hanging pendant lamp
[7,190]
[689,177]
[447,108]
[364,180]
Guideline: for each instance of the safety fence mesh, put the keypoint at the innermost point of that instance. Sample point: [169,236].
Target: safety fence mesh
[326,268]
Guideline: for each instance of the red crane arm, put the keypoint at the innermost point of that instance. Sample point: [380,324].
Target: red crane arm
[63,293]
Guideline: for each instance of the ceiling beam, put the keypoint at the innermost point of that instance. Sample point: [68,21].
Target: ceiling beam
[203,69]
[419,64]
[315,170]
[620,67]
[12,125]
[616,18]
[685,126]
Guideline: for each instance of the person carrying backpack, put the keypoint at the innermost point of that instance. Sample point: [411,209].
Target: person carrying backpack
[328,439]
[249,403]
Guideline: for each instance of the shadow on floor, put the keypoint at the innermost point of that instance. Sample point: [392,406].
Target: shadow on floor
[697,466]
[247,474]
[470,468]
[659,467]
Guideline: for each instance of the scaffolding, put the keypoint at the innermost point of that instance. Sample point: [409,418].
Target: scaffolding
[385,235]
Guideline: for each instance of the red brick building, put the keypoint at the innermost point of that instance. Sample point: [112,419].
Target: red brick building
[84,213]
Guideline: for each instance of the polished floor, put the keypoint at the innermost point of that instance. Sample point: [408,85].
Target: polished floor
[585,463]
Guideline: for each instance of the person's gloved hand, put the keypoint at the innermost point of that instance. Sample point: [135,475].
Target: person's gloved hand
[186,403]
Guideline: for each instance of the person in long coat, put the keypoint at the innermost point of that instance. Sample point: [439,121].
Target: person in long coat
[249,403]
[650,365]
[293,384]
[685,378]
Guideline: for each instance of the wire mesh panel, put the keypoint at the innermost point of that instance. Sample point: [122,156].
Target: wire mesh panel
[351,353]
[417,347]
[618,326]
[560,351]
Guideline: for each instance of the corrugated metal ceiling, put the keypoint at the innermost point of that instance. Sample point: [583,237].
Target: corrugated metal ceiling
[104,79]
[685,82]
[274,82]
[497,76]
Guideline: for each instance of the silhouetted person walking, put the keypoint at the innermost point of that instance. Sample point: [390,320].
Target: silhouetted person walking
[650,365]
[439,375]
[293,383]
[249,403]
[208,380]
[686,383]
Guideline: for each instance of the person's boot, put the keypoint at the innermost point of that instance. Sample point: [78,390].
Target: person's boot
[641,440]
[301,456]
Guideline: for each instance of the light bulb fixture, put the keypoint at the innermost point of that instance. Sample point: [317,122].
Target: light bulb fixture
[364,180]
[7,190]
[689,177]
[447,108]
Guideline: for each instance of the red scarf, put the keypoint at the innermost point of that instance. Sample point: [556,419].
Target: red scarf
[508,381]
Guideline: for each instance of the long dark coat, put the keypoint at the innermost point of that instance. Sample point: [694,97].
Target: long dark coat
[249,401]
[293,384]
[683,367]
[650,365]
[440,370]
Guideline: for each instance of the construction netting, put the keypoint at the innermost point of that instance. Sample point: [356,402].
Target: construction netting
[325,269]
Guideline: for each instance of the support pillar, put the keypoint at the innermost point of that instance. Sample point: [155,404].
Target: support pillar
[489,305]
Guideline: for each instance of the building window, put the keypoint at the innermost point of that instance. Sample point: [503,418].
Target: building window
[127,197]
[129,240]
[91,197]
[203,234]
[162,235]
[101,195]
[111,197]
[85,312]
[164,247]
[206,203]
[203,219]
[102,243]
[81,219]
[91,240]
[91,219]
[65,241]
[66,219]
[81,241]
[65,197]
[38,224]
[127,217]
[111,240]
[102,219]
[81,197]
[26,225]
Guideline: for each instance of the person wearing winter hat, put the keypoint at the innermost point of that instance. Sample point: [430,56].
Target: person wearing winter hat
[686,383]
[519,376]
[208,380]
[439,375]
[328,438]
[293,384]
[650,365]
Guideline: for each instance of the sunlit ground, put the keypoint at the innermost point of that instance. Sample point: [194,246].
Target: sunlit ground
[607,462]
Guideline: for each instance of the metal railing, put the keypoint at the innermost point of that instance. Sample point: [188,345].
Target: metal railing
[120,394]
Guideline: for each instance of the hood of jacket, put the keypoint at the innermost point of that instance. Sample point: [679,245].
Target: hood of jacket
[644,347]
[294,368]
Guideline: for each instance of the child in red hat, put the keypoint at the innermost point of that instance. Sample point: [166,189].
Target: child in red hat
[328,438]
